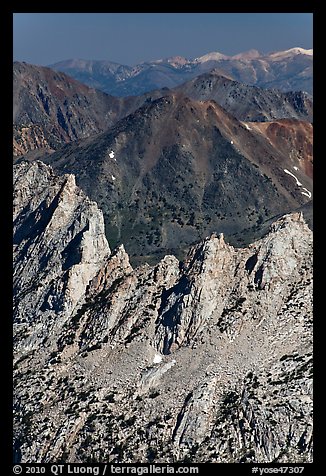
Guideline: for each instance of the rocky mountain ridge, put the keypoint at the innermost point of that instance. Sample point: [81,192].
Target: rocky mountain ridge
[51,109]
[248,103]
[208,360]
[176,170]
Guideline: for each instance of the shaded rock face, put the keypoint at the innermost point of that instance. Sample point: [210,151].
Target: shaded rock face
[206,360]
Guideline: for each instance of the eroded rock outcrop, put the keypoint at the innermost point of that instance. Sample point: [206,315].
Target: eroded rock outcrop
[206,360]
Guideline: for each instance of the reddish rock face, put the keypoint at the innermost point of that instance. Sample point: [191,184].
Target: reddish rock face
[292,138]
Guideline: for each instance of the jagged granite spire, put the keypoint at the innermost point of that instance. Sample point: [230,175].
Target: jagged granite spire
[205,361]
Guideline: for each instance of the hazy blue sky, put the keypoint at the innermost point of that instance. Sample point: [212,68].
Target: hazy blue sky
[130,38]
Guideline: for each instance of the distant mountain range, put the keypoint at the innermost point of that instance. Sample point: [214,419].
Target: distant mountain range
[51,108]
[290,70]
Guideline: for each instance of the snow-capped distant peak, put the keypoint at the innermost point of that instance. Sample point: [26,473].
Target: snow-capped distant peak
[301,51]
[290,52]
[214,56]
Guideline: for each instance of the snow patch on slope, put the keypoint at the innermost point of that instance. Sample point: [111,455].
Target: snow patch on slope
[292,175]
[306,192]
[157,359]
